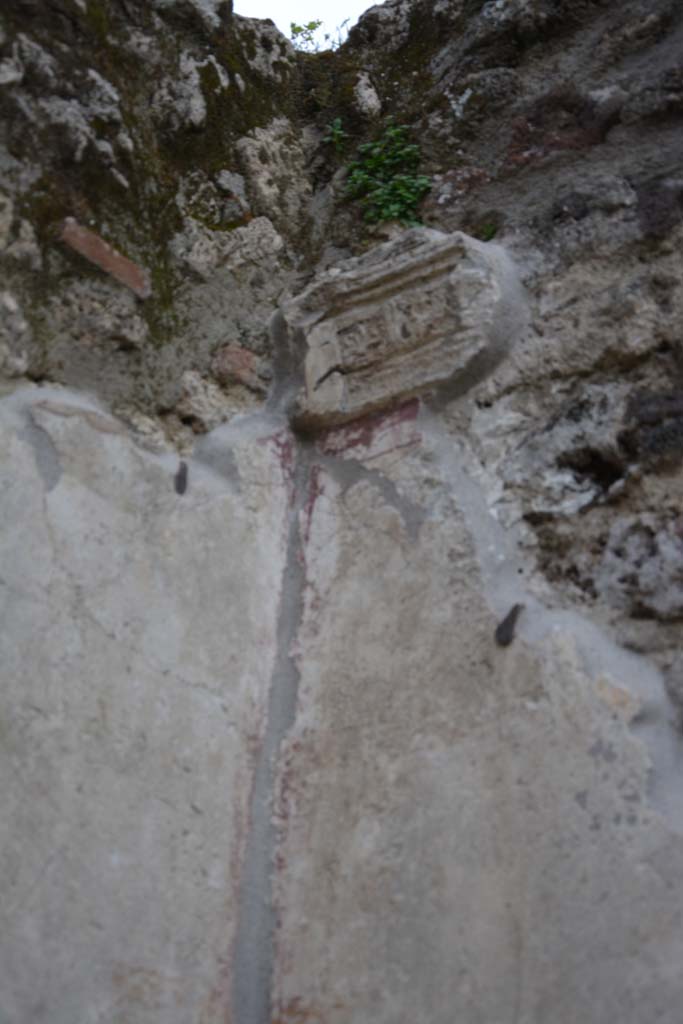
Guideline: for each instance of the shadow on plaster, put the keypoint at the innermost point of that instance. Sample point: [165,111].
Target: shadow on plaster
[349,472]
[18,406]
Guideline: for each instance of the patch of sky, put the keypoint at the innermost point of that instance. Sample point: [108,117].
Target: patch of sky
[337,16]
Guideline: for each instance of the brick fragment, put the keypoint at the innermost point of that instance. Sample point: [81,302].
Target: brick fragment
[234,364]
[104,256]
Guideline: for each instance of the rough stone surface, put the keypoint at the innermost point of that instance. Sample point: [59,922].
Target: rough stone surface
[275,162]
[423,311]
[179,101]
[125,119]
[203,252]
[367,100]
[203,405]
[235,363]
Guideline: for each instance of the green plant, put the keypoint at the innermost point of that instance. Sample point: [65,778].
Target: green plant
[336,136]
[384,177]
[340,34]
[487,231]
[303,36]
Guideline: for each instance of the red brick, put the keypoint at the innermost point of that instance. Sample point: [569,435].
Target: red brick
[235,364]
[104,256]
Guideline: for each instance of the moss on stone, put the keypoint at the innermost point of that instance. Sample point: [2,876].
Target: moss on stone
[98,20]
[142,219]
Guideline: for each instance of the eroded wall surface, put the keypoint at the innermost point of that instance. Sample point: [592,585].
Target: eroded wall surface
[469,832]
[341,566]
[138,651]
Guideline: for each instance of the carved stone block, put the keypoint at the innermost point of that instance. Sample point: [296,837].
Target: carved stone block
[426,311]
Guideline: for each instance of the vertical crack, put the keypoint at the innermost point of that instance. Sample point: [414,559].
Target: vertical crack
[255,943]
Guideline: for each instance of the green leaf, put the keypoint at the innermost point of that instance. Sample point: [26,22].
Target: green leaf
[383,177]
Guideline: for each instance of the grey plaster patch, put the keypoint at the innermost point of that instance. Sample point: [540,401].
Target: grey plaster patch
[509,325]
[212,452]
[255,944]
[288,359]
[348,472]
[44,452]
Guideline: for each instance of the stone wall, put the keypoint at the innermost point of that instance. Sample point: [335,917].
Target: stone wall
[341,571]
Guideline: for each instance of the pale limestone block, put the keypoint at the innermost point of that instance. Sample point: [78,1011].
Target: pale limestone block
[422,312]
[274,161]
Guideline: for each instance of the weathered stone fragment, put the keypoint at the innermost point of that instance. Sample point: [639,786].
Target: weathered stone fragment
[203,405]
[103,255]
[641,569]
[421,312]
[15,333]
[179,101]
[234,364]
[274,160]
[365,95]
[202,251]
